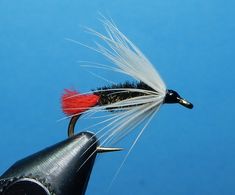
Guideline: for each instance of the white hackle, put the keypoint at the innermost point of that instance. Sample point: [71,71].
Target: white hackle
[126,58]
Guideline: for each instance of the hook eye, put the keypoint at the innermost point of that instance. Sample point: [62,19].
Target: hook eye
[185,103]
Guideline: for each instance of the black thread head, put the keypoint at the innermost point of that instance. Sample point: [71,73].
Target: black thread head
[173,97]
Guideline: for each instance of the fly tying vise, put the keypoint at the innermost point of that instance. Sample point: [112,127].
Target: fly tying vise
[130,103]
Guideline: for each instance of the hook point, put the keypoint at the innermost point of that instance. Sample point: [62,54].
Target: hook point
[107,149]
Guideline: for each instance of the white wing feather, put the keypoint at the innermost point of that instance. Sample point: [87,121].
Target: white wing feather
[128,58]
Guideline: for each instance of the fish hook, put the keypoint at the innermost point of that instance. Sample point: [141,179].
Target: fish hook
[72,124]
[99,149]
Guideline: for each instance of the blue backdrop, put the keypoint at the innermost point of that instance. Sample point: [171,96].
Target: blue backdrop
[190,42]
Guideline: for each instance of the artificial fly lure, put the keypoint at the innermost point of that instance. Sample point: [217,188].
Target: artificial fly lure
[129,104]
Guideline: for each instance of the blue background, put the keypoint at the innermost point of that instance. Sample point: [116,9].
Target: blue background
[190,42]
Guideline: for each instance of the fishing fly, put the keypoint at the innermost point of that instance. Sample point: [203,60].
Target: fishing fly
[128,104]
